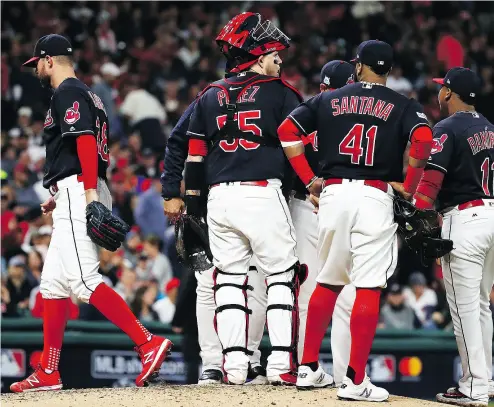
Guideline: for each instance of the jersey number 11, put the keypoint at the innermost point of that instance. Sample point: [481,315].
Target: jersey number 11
[485,168]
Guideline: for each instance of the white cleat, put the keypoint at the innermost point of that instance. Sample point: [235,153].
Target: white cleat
[452,390]
[457,398]
[364,391]
[308,380]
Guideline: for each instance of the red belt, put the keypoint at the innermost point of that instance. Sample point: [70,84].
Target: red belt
[381,185]
[53,188]
[251,183]
[471,204]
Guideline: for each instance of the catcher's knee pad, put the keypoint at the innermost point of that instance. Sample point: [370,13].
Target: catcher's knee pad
[231,319]
[283,289]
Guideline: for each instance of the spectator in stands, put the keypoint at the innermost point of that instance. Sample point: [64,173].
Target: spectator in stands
[18,287]
[24,192]
[148,214]
[123,201]
[159,265]
[127,286]
[396,314]
[421,299]
[35,266]
[398,82]
[104,89]
[165,307]
[145,115]
[143,301]
[148,166]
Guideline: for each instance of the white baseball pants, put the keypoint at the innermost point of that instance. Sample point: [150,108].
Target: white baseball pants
[306,226]
[244,221]
[468,273]
[72,261]
[357,235]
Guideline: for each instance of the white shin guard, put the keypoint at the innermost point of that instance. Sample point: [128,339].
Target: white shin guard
[232,322]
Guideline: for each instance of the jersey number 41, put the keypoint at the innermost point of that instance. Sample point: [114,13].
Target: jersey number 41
[352,144]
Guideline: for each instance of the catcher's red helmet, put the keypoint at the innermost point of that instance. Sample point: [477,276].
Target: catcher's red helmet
[245,38]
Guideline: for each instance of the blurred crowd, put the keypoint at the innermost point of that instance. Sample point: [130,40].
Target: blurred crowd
[147,61]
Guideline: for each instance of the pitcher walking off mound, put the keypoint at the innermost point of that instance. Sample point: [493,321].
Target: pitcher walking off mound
[76,129]
[363,130]
[460,173]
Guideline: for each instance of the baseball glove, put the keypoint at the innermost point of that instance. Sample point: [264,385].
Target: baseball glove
[192,243]
[104,228]
[421,230]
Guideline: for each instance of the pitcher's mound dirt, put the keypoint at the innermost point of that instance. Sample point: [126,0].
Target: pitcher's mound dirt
[188,396]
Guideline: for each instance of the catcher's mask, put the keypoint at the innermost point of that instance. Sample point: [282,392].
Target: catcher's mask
[245,38]
[421,230]
[192,243]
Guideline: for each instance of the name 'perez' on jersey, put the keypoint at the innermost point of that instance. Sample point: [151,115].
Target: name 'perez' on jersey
[263,102]
[463,149]
[362,130]
[74,111]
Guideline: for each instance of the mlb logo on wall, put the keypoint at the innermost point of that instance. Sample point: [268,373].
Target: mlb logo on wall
[382,368]
[13,363]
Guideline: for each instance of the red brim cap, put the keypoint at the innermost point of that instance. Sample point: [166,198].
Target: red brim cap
[438,80]
[31,62]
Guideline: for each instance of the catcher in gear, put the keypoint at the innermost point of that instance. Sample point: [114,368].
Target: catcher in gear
[421,230]
[104,228]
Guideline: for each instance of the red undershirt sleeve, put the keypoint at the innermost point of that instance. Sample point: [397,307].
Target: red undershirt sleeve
[87,151]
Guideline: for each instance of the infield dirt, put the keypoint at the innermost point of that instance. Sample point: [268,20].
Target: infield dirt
[188,396]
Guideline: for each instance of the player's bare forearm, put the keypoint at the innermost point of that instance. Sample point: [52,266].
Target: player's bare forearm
[416,163]
[91,195]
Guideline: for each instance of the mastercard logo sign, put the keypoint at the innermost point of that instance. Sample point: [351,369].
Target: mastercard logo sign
[410,366]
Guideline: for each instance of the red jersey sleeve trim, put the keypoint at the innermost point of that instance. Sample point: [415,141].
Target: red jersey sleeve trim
[421,143]
[198,147]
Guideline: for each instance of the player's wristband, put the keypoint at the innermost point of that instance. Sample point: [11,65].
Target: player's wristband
[302,168]
[314,179]
[412,179]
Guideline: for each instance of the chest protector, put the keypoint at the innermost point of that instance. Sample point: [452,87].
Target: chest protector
[230,130]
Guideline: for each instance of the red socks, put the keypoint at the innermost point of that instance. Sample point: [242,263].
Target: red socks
[55,316]
[320,311]
[363,324]
[113,307]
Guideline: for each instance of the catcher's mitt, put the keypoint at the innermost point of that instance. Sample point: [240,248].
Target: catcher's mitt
[104,228]
[192,243]
[421,230]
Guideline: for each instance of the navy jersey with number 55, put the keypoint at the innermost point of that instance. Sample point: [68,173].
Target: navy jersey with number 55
[362,130]
[263,102]
[463,149]
[74,111]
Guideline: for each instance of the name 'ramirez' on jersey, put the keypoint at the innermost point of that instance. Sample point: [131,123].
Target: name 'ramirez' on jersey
[463,149]
[263,102]
[363,130]
[74,111]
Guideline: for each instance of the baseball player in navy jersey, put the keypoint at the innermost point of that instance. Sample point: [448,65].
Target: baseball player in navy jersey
[363,130]
[75,134]
[459,178]
[334,75]
[234,124]
[211,350]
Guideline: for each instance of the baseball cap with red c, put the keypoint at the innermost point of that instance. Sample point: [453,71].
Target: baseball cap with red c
[52,45]
[462,81]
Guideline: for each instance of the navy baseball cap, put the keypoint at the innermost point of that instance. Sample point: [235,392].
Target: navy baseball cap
[336,74]
[52,45]
[378,55]
[463,82]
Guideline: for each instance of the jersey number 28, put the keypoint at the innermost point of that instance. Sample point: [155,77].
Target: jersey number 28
[243,125]
[352,144]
